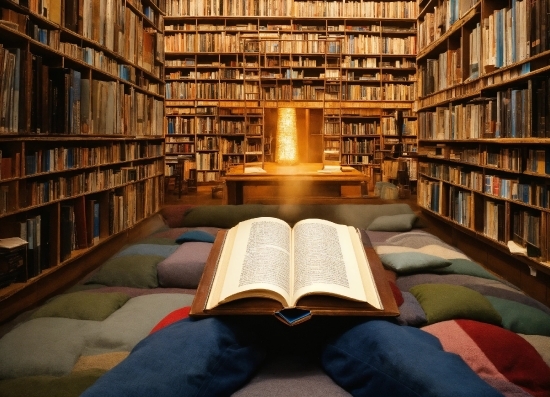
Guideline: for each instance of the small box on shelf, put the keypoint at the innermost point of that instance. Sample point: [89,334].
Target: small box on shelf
[13,261]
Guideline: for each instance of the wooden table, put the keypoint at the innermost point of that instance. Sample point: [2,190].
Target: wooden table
[302,183]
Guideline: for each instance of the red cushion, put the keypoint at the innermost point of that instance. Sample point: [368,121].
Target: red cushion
[396,293]
[514,357]
[172,317]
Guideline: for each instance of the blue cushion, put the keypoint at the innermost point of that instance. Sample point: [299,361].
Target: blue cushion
[195,235]
[207,357]
[379,358]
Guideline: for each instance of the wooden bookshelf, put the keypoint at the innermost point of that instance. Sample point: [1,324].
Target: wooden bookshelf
[351,60]
[81,129]
[483,111]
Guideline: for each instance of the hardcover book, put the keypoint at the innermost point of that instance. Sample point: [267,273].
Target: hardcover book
[264,266]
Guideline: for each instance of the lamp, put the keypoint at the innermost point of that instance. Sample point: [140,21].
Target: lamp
[287,137]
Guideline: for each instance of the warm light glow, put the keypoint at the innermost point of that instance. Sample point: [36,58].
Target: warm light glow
[287,137]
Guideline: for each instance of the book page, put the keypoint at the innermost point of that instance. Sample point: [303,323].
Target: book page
[326,260]
[260,260]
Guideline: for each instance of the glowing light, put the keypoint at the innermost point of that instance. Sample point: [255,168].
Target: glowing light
[287,137]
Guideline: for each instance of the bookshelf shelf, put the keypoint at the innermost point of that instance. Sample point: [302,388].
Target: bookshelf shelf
[483,138]
[300,54]
[81,129]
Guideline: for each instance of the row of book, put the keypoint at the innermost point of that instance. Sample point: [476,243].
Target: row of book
[525,225]
[365,9]
[528,232]
[207,176]
[44,190]
[429,195]
[208,161]
[63,101]
[295,43]
[440,73]
[305,90]
[184,147]
[10,164]
[512,113]
[494,221]
[538,161]
[115,27]
[354,146]
[509,159]
[231,64]
[513,189]
[460,206]
[265,27]
[79,225]
[434,23]
[353,159]
[10,89]
[232,146]
[361,128]
[207,143]
[65,158]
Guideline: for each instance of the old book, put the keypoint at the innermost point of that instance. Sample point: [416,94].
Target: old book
[265,266]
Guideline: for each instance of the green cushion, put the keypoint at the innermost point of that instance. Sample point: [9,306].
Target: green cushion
[83,305]
[411,262]
[520,318]
[72,385]
[443,302]
[468,267]
[393,223]
[137,271]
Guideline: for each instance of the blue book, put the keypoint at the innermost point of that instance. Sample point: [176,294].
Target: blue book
[96,222]
[499,39]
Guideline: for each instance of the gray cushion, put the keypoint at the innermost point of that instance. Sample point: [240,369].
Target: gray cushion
[183,269]
[393,223]
[163,250]
[82,305]
[122,330]
[138,271]
[44,346]
[410,262]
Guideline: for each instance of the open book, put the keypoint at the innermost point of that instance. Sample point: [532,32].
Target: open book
[266,258]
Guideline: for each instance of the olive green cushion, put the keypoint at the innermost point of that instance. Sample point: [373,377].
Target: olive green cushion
[72,385]
[83,305]
[137,271]
[443,302]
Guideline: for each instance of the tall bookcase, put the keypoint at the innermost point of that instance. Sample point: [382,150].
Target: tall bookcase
[483,111]
[354,61]
[81,126]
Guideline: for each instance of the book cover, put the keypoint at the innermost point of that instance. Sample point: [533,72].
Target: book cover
[66,232]
[81,228]
[85,106]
